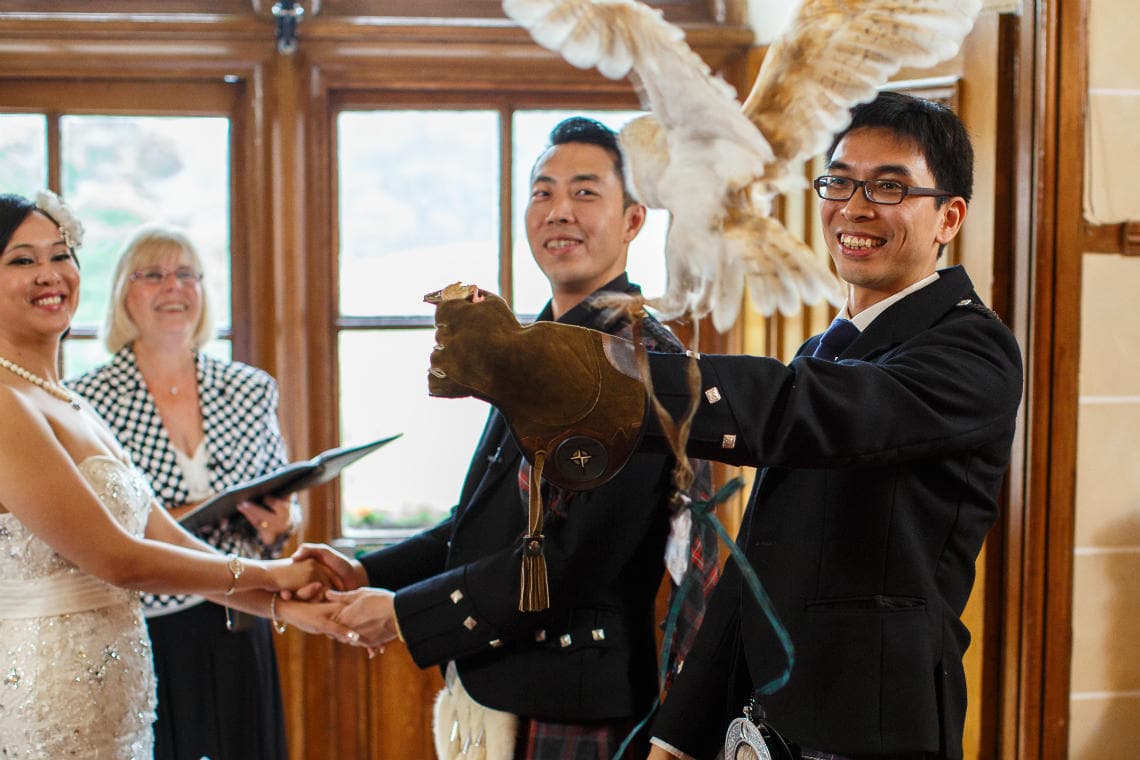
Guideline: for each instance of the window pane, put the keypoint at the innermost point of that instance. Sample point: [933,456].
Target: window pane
[122,171]
[23,153]
[646,265]
[413,481]
[419,207]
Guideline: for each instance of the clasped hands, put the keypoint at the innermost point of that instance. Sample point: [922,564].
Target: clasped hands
[344,608]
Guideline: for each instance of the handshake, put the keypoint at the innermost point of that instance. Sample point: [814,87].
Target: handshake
[573,398]
[337,601]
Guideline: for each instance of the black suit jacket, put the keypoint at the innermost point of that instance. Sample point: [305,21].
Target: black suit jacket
[592,655]
[882,474]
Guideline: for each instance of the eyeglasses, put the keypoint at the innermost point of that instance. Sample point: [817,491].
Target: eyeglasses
[887,192]
[155,276]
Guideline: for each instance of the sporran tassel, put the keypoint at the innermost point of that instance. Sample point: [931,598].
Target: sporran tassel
[534,591]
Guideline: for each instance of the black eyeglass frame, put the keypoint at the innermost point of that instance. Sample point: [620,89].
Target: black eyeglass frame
[929,192]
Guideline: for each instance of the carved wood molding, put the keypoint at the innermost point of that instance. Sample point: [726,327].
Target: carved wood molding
[432,52]
[678,11]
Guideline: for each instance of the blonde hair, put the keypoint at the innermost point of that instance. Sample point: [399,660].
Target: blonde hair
[147,246]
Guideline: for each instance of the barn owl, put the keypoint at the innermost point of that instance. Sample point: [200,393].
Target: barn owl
[718,166]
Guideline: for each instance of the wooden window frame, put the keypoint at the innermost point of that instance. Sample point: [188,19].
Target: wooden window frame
[119,98]
[493,99]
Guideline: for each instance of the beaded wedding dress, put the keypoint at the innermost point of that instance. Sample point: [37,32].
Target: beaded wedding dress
[76,678]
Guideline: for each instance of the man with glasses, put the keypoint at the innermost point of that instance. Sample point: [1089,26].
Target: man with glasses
[883,446]
[884,454]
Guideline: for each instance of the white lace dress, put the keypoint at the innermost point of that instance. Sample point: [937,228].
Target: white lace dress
[76,678]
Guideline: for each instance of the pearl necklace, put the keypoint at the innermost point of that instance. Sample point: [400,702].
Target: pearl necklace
[35,379]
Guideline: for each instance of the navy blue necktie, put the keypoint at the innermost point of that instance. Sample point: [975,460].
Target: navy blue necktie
[836,338]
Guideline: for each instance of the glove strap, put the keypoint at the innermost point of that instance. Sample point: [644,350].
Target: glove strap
[676,433]
[534,588]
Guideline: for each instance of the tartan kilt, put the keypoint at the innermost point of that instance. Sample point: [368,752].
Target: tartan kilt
[597,740]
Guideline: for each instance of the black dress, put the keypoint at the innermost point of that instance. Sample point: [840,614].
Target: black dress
[218,691]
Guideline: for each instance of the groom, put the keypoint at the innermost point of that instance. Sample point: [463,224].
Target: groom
[580,674]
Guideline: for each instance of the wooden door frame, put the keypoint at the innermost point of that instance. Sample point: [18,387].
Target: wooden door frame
[1038,244]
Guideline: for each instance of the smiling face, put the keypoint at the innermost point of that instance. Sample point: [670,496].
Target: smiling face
[882,249]
[578,230]
[166,311]
[39,279]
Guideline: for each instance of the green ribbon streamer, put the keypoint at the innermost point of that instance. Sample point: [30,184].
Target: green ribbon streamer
[703,512]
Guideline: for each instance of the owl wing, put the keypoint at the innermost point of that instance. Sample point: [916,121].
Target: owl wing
[694,109]
[835,54]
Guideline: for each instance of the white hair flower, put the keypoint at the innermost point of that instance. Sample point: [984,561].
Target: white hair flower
[69,226]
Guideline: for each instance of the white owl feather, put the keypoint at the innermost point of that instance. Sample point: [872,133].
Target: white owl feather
[717,166]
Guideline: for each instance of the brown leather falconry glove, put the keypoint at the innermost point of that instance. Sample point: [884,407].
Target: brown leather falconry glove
[568,393]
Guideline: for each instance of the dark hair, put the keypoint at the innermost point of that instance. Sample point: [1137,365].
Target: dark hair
[579,129]
[14,209]
[937,131]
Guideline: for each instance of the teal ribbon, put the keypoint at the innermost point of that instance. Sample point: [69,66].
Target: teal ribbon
[758,593]
[702,511]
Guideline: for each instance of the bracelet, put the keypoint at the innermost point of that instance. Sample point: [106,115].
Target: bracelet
[279,627]
[236,568]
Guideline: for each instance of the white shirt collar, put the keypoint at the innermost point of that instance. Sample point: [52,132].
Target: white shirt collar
[863,319]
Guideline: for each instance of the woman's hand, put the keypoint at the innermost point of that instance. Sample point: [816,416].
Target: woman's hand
[347,573]
[287,575]
[314,617]
[273,520]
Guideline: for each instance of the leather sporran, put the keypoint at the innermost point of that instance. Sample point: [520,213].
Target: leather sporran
[749,738]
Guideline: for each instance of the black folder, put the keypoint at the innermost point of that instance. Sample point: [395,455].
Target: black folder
[293,477]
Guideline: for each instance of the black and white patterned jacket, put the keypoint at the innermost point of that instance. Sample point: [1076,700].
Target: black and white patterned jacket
[243,440]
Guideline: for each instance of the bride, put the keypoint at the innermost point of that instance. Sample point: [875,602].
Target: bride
[79,526]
